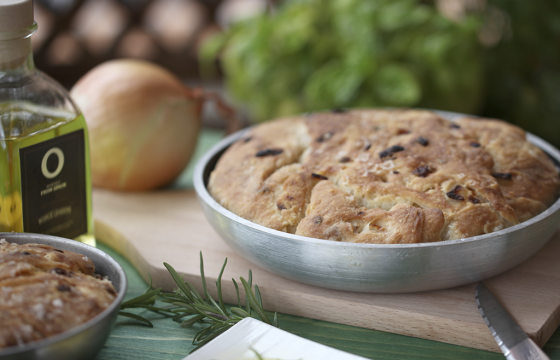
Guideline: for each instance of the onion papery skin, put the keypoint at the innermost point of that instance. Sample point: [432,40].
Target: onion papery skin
[143,124]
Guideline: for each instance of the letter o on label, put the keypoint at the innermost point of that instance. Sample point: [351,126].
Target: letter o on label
[54,151]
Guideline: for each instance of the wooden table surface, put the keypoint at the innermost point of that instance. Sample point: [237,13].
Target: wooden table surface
[167,340]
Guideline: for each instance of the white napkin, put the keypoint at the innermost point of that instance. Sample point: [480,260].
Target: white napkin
[250,336]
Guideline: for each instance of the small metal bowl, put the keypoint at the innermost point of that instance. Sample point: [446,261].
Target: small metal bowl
[85,340]
[379,268]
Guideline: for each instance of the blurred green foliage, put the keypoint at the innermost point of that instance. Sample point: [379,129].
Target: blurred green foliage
[523,70]
[315,54]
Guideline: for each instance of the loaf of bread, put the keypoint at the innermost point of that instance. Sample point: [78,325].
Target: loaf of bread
[385,176]
[45,291]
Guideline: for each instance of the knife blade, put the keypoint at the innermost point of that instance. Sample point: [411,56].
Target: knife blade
[513,341]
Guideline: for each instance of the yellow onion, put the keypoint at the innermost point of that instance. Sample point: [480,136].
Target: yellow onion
[143,124]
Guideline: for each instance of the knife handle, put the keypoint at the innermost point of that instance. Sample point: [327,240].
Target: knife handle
[527,349]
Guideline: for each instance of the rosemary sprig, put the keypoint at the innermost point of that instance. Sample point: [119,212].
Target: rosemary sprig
[145,301]
[186,302]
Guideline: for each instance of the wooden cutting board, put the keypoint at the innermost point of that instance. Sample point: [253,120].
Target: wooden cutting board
[153,227]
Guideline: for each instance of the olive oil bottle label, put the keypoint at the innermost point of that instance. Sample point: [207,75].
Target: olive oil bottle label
[53,185]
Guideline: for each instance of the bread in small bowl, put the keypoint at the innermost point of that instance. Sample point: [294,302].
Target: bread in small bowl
[46,291]
[385,176]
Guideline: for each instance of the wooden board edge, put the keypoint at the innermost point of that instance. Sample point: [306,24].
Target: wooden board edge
[115,240]
[548,329]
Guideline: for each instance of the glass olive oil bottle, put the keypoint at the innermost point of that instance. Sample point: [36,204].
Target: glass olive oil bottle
[45,182]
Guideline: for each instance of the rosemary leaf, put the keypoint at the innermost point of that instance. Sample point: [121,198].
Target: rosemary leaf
[204,307]
[253,301]
[185,305]
[183,310]
[275,321]
[217,307]
[195,295]
[171,296]
[240,312]
[209,338]
[136,317]
[147,297]
[148,307]
[201,335]
[171,301]
[203,278]
[180,310]
[150,284]
[157,309]
[247,303]
[178,280]
[150,300]
[237,291]
[212,322]
[214,316]
[258,295]
[190,322]
[220,299]
[219,288]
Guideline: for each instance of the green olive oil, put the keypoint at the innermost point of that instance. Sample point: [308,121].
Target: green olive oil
[24,126]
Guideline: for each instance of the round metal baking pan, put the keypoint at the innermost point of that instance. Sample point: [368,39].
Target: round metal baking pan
[85,340]
[380,268]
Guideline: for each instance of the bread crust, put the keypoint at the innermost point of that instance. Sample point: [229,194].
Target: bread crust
[385,176]
[45,291]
